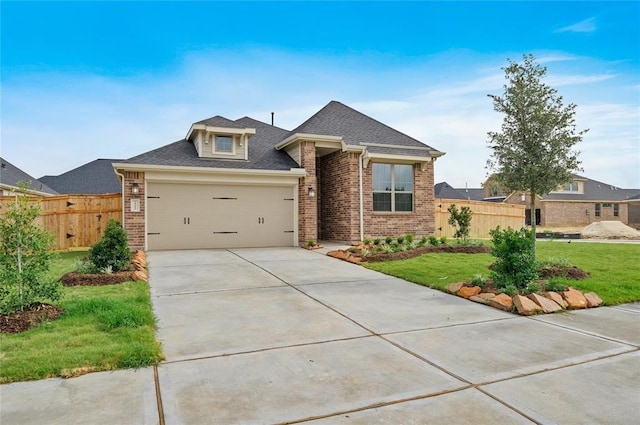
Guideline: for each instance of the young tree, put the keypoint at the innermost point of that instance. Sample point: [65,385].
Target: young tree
[461,220]
[25,257]
[533,152]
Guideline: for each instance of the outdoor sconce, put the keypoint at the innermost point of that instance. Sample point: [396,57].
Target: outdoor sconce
[312,192]
[135,189]
[523,197]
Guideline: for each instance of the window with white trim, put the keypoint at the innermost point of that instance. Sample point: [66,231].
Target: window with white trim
[224,144]
[392,187]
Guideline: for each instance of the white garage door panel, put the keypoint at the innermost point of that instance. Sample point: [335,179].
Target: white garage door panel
[191,216]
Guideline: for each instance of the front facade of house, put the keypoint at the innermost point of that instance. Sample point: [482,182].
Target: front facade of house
[340,175]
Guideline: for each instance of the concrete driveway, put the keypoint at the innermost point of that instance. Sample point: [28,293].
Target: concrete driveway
[285,335]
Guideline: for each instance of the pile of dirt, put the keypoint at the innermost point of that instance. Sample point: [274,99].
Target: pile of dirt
[568,272]
[33,315]
[609,230]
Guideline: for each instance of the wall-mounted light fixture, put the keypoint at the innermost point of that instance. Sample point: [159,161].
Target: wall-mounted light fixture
[135,189]
[311,191]
[523,197]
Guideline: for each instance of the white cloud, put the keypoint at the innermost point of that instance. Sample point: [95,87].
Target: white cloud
[53,123]
[586,26]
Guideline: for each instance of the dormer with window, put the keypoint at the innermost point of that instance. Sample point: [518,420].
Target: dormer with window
[575,186]
[220,138]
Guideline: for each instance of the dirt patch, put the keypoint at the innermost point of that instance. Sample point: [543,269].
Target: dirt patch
[568,272]
[80,279]
[32,316]
[404,255]
[609,230]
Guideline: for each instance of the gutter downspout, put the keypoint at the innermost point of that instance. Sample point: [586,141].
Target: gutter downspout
[122,184]
[361,159]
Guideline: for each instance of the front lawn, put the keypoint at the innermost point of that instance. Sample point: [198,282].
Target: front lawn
[102,328]
[614,268]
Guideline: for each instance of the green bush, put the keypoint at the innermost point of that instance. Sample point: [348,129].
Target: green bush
[400,240]
[112,249]
[376,241]
[366,241]
[25,257]
[433,241]
[409,238]
[515,258]
[388,240]
[461,220]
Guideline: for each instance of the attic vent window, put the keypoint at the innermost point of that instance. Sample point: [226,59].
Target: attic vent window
[224,144]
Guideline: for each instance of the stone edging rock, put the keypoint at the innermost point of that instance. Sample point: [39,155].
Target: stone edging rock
[547,302]
[139,262]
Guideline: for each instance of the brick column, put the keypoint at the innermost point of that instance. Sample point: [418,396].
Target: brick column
[134,221]
[308,206]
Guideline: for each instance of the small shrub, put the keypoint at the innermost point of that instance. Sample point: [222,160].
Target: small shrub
[400,240]
[367,241]
[112,249]
[531,288]
[388,240]
[84,267]
[365,252]
[399,248]
[510,290]
[423,241]
[555,286]
[387,249]
[443,240]
[478,280]
[515,258]
[433,241]
[107,270]
[555,261]
[409,238]
[410,245]
[461,220]
[376,241]
[311,242]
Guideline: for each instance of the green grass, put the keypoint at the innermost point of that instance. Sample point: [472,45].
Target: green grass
[614,268]
[102,328]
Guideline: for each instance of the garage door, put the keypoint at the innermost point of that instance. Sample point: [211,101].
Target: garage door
[190,216]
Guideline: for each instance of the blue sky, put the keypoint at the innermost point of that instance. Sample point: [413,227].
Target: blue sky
[87,80]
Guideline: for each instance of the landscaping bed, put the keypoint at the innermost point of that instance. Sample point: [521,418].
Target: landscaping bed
[32,316]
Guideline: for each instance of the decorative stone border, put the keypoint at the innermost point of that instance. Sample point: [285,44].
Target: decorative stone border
[546,302]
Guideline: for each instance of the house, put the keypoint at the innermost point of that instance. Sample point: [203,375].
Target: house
[11,177]
[579,203]
[96,177]
[340,175]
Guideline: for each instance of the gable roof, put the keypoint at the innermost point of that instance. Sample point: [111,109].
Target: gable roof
[445,191]
[594,191]
[95,177]
[262,154]
[10,175]
[356,128]
[219,121]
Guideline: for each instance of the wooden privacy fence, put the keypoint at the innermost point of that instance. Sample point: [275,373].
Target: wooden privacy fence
[486,216]
[76,221]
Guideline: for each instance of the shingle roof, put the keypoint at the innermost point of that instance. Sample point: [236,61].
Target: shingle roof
[594,191]
[337,119]
[10,175]
[262,152]
[95,177]
[445,191]
[219,121]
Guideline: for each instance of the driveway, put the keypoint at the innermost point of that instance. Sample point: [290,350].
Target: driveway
[285,335]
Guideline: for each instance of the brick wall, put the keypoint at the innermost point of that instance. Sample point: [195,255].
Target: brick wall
[339,196]
[308,206]
[420,222]
[558,214]
[134,221]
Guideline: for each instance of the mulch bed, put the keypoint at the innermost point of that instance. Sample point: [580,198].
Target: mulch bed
[79,279]
[33,315]
[569,272]
[404,255]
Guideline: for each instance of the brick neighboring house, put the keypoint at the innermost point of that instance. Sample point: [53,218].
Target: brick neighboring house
[579,203]
[340,175]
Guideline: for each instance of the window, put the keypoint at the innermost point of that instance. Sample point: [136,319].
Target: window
[597,210]
[570,187]
[392,187]
[224,144]
[616,210]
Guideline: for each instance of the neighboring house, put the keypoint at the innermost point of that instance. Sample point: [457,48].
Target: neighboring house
[445,191]
[579,203]
[96,177]
[340,175]
[11,176]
